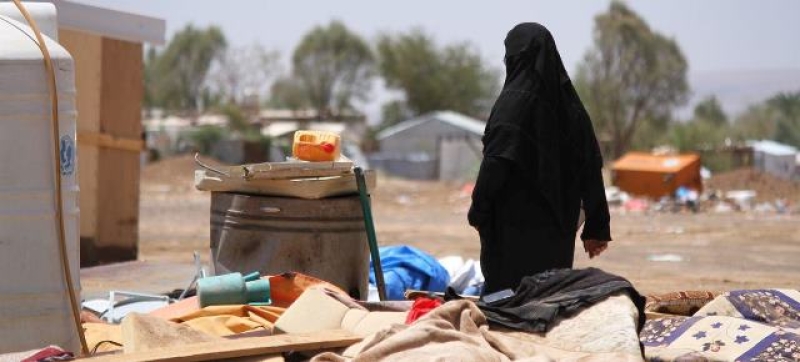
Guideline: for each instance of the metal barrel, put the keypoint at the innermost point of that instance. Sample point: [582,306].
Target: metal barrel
[323,238]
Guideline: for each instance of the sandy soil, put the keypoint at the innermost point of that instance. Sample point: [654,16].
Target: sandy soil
[710,251]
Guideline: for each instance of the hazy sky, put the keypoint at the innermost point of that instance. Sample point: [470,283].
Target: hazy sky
[715,35]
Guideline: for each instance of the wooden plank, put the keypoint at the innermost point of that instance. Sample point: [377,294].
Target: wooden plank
[284,170]
[214,351]
[86,50]
[118,170]
[142,333]
[304,188]
[280,170]
[108,141]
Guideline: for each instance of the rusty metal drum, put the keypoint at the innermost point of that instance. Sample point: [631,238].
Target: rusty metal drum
[324,238]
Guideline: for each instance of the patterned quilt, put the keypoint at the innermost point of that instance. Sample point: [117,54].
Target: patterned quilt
[745,325]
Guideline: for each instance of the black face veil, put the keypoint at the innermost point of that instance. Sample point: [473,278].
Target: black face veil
[538,121]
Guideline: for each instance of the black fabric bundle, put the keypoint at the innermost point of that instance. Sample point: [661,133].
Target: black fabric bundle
[559,292]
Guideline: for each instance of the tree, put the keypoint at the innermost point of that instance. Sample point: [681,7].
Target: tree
[787,107]
[244,71]
[777,118]
[394,112]
[332,66]
[706,130]
[237,119]
[286,92]
[205,137]
[151,97]
[757,122]
[176,77]
[696,135]
[710,111]
[630,76]
[454,77]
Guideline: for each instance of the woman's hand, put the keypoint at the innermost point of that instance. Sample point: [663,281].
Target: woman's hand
[594,247]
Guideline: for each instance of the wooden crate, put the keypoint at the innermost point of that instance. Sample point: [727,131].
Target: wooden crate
[109,85]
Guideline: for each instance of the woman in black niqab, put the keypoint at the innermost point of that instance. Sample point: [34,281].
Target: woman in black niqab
[541,163]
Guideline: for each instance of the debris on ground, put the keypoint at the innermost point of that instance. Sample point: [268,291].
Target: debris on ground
[768,188]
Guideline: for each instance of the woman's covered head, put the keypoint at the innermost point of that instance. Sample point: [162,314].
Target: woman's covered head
[531,47]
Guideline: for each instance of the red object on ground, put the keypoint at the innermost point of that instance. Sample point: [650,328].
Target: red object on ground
[421,307]
[637,205]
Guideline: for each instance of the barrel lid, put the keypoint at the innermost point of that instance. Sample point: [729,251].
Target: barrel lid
[18,42]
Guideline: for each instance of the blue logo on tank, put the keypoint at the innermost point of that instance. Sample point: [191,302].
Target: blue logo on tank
[67,152]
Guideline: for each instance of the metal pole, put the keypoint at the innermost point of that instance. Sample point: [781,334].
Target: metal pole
[371,238]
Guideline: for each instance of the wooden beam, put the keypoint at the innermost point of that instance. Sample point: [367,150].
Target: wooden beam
[254,346]
[109,141]
[86,49]
[118,170]
[108,23]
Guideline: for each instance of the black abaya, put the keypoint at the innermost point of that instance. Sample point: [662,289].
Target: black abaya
[541,161]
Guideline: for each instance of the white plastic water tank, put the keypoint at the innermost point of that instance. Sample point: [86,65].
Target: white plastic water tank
[34,307]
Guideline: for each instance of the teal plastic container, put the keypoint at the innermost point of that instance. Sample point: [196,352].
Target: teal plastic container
[233,289]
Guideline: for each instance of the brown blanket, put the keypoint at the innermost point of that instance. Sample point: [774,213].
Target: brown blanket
[458,331]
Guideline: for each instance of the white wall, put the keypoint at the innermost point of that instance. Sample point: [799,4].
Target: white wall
[460,158]
[782,166]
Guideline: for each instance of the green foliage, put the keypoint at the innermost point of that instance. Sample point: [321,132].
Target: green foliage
[778,118]
[394,112]
[175,78]
[651,133]
[237,120]
[757,122]
[287,92]
[710,111]
[631,76]
[787,107]
[707,130]
[696,135]
[243,72]
[151,73]
[454,77]
[332,66]
[205,137]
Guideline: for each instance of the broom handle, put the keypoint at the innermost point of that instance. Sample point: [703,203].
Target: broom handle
[371,238]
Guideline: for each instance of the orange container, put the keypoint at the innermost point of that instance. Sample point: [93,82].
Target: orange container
[316,146]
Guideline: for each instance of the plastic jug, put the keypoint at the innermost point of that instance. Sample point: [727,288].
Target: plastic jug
[316,146]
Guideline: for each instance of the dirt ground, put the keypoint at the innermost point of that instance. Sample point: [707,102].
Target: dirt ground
[657,252]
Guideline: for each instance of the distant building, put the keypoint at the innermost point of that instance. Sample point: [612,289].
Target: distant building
[168,135]
[267,116]
[280,124]
[163,134]
[776,159]
[440,145]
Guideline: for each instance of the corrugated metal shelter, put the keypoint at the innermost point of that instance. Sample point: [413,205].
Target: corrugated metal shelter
[440,145]
[775,158]
[645,174]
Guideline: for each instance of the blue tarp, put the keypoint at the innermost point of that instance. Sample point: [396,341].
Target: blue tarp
[406,267]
